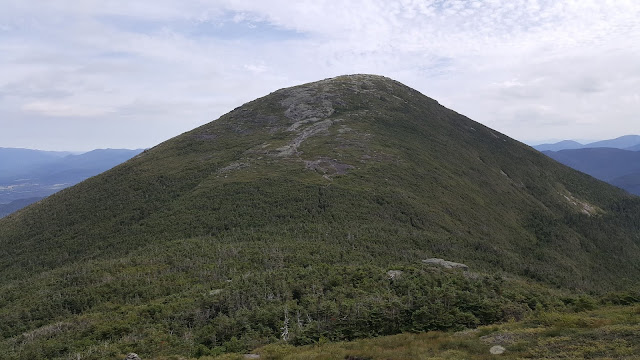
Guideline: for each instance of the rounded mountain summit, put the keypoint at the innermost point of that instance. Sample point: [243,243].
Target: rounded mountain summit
[358,160]
[358,173]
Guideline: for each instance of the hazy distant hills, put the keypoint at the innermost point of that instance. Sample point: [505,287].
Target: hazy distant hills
[629,182]
[616,161]
[34,174]
[562,145]
[14,161]
[629,142]
[623,142]
[634,148]
[603,163]
[304,216]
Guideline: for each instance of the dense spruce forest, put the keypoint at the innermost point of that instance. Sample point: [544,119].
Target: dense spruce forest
[302,218]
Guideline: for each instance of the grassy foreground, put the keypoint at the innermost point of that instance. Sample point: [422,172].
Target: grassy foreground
[610,332]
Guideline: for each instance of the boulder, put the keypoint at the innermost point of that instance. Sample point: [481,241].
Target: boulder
[497,350]
[393,274]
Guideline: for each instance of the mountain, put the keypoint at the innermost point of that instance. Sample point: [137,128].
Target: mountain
[562,145]
[602,163]
[629,182]
[628,142]
[614,166]
[634,148]
[621,142]
[75,168]
[13,161]
[305,216]
[44,166]
[36,174]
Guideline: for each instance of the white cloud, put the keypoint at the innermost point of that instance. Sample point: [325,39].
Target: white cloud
[57,109]
[533,69]
[256,69]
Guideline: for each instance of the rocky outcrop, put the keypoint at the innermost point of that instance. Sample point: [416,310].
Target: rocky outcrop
[132,356]
[445,264]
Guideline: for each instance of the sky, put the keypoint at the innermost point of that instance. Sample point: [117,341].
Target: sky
[84,74]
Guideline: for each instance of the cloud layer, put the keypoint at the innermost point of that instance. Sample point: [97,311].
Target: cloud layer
[80,75]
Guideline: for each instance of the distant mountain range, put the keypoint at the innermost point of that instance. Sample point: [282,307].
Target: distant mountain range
[616,161]
[27,175]
[562,145]
[15,161]
[627,142]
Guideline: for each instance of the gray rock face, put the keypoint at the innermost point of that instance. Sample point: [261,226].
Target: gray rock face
[393,274]
[497,350]
[307,103]
[132,356]
[445,264]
